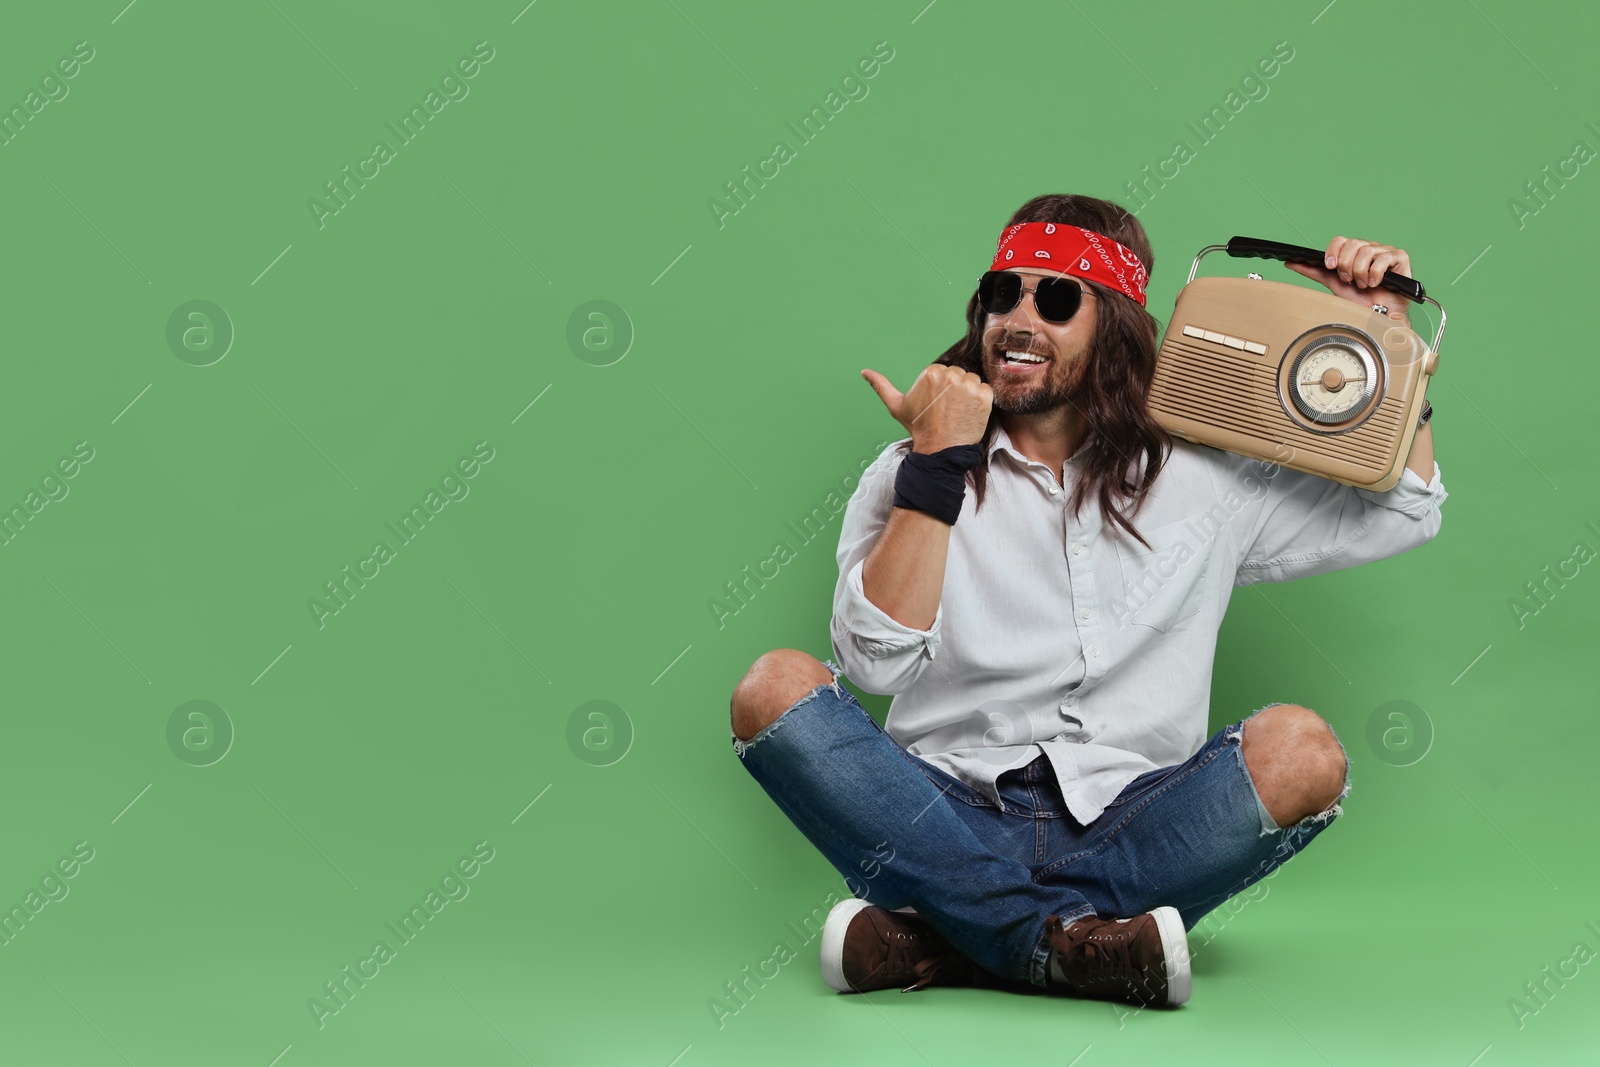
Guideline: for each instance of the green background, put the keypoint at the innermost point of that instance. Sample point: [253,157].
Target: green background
[372,752]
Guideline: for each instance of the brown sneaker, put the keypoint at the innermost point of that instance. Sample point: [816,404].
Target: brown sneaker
[1144,959]
[865,947]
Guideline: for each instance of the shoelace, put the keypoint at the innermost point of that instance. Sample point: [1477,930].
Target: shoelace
[1103,962]
[931,969]
[913,954]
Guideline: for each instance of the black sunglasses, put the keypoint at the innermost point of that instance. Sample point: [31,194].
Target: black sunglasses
[1056,299]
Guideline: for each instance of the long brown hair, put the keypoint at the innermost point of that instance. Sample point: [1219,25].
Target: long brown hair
[1121,362]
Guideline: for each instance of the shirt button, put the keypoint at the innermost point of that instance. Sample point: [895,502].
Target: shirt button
[1084,613]
[1054,490]
[1077,549]
[1094,650]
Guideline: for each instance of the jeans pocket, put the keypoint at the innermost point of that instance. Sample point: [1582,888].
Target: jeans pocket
[1140,786]
[950,785]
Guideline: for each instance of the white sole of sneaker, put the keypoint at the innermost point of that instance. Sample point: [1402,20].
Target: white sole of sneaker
[831,955]
[1175,949]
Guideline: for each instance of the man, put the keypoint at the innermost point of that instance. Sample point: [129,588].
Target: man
[1053,812]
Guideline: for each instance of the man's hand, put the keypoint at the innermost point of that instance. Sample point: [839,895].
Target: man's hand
[1354,268]
[946,406]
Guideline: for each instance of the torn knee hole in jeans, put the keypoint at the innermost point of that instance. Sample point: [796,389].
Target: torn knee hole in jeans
[1235,735]
[1333,810]
[740,747]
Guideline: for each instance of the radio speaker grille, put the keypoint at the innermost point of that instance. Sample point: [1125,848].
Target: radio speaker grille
[1196,389]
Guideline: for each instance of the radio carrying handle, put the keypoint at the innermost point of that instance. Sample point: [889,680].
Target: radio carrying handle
[1257,248]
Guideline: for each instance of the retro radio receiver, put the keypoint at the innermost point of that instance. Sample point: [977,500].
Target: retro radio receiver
[1286,374]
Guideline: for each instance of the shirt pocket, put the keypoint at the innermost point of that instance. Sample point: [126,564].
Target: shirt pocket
[1163,585]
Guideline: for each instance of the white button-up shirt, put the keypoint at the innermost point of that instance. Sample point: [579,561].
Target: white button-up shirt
[1065,636]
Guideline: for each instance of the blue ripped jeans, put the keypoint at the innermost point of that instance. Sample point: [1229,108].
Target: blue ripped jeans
[1190,835]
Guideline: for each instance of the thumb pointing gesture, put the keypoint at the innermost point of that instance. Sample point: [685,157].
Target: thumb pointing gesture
[892,398]
[946,406]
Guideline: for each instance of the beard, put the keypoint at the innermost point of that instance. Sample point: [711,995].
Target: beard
[1055,386]
[1032,398]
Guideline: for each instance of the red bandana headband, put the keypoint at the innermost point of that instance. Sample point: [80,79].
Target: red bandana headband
[1070,250]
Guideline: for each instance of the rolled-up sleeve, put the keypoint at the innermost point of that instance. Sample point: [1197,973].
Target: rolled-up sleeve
[875,651]
[1308,525]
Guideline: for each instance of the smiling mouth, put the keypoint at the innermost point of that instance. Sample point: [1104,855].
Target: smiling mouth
[1021,361]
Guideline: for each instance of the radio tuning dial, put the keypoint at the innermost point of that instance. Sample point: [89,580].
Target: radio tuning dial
[1332,377]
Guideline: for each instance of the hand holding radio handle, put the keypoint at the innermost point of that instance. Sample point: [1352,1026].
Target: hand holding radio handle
[1257,248]
[945,406]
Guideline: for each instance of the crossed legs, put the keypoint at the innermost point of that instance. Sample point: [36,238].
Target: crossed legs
[1295,761]
[854,792]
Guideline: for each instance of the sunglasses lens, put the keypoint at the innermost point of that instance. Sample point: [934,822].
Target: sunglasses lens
[1057,298]
[999,291]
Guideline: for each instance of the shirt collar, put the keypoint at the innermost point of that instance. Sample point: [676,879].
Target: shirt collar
[1002,442]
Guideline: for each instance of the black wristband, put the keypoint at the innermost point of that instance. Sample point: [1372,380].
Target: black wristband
[936,482]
